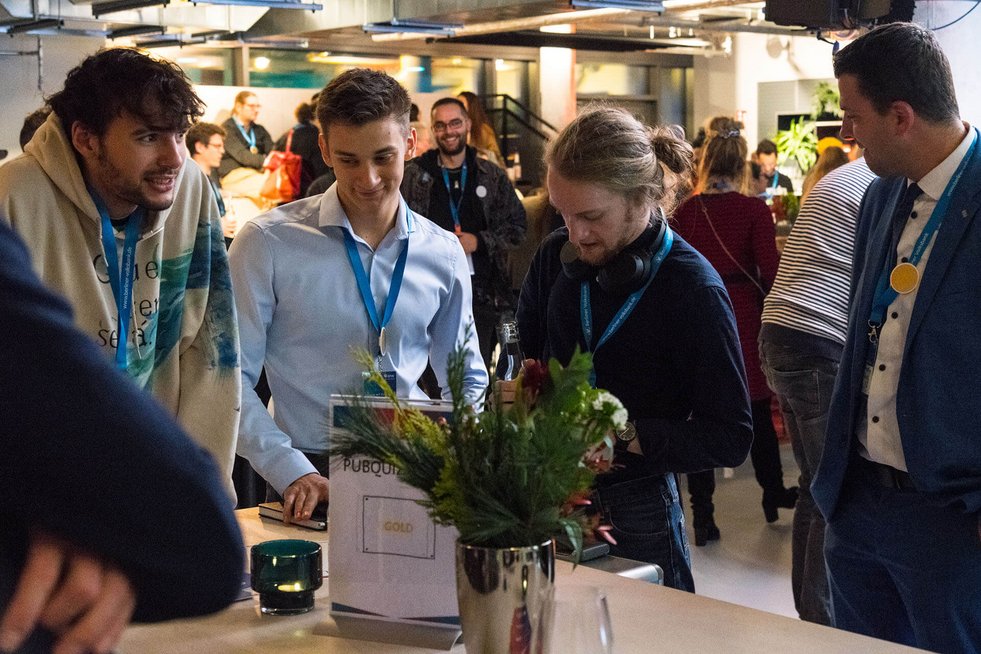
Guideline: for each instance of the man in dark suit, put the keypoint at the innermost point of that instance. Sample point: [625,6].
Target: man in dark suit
[900,479]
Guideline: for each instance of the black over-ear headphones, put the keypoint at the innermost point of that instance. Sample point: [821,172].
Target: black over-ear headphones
[627,271]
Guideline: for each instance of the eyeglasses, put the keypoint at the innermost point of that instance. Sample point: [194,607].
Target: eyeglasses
[253,105]
[219,145]
[454,124]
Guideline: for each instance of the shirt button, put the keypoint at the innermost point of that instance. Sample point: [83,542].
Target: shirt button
[882,366]
[895,315]
[913,215]
[875,418]
[904,260]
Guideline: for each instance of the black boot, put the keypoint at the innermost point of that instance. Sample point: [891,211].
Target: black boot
[778,498]
[705,530]
[701,485]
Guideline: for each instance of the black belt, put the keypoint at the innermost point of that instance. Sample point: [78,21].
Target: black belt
[887,475]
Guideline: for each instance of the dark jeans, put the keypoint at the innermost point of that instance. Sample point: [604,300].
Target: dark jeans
[903,566]
[648,525]
[803,383]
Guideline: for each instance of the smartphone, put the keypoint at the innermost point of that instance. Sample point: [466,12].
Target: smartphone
[590,551]
[316,521]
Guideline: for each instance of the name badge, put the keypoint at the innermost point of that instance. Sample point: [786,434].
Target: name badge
[371,388]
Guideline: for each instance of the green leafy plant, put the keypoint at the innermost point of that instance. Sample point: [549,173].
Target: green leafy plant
[827,101]
[509,476]
[798,143]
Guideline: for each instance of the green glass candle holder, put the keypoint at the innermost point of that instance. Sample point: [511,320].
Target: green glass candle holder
[286,573]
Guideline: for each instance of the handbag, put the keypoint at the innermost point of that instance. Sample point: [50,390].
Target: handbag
[285,169]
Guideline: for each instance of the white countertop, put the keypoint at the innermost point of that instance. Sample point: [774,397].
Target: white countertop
[645,618]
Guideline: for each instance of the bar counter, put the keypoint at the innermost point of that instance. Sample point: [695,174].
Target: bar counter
[646,618]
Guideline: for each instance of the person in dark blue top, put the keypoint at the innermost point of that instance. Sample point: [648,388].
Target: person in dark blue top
[99,485]
[616,281]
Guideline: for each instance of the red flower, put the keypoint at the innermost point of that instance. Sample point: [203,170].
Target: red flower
[534,380]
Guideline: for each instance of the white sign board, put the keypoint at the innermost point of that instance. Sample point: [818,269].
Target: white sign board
[388,560]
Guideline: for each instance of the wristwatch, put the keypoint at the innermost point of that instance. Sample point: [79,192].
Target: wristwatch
[628,433]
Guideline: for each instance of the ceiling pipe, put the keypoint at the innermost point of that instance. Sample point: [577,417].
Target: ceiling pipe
[515,24]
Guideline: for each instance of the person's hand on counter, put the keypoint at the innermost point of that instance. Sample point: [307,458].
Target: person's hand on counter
[303,495]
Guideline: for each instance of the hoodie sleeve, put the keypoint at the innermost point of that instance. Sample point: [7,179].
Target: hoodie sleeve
[210,376]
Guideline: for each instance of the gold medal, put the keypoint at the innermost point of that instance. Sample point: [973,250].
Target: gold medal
[254,150]
[382,348]
[904,278]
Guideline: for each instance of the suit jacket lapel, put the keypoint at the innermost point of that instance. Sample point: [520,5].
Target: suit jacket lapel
[963,207]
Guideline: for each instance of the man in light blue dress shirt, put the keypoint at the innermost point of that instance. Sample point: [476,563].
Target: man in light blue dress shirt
[303,275]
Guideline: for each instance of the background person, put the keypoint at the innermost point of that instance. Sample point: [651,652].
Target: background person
[246,145]
[736,234]
[305,142]
[482,134]
[766,156]
[805,319]
[612,179]
[125,517]
[831,157]
[474,199]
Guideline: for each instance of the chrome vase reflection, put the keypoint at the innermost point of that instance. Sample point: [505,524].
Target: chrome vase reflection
[501,592]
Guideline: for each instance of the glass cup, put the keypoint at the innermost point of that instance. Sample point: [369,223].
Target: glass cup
[286,573]
[576,621]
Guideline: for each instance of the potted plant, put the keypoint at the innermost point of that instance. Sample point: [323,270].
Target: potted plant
[509,478]
[799,143]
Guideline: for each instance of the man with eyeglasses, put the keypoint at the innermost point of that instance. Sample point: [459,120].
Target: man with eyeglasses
[474,199]
[246,145]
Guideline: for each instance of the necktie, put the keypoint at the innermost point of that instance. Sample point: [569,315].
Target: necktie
[903,210]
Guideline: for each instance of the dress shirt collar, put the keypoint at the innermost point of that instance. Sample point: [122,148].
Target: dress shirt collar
[935,181]
[332,215]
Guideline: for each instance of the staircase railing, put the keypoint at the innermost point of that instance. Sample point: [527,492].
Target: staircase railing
[522,135]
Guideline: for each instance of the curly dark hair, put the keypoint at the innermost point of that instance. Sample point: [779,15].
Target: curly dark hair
[117,80]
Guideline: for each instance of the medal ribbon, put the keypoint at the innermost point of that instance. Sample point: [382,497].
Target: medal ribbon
[885,294]
[364,284]
[586,309]
[455,206]
[121,275]
[250,137]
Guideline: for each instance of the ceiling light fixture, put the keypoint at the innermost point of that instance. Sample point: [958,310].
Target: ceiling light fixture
[512,24]
[32,25]
[136,30]
[631,5]
[396,26]
[272,4]
[112,6]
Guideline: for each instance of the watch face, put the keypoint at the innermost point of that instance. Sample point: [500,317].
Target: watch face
[628,433]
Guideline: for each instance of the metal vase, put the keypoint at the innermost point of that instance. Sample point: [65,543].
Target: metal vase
[501,592]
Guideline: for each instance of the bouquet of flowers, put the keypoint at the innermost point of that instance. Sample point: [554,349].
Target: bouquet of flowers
[511,475]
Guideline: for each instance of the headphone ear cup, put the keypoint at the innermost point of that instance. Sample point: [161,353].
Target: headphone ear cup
[572,266]
[624,273]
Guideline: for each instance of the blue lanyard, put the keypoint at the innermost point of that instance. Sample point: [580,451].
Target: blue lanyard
[218,198]
[250,137]
[885,294]
[120,277]
[364,284]
[455,206]
[586,309]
